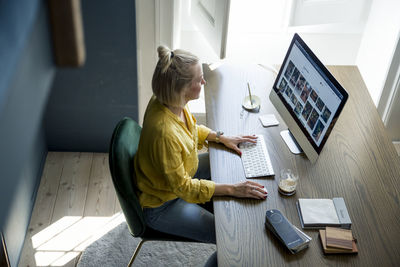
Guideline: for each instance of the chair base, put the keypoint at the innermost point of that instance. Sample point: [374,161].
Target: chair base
[136,252]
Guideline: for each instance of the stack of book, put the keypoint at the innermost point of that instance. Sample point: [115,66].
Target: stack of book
[294,239]
[336,240]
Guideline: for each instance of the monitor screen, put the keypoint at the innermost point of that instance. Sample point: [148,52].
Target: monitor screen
[309,92]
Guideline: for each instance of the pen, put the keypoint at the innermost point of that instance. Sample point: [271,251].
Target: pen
[251,100]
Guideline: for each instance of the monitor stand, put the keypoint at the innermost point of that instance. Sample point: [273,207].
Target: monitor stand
[291,142]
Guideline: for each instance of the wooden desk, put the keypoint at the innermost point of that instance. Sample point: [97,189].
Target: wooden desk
[358,163]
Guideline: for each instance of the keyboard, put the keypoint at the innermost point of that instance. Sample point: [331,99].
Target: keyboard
[255,159]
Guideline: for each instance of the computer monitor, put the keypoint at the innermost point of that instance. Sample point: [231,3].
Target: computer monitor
[308,98]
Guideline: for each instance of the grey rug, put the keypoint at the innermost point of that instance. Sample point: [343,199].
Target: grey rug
[117,246]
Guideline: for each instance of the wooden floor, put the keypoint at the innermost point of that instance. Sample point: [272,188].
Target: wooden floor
[76,198]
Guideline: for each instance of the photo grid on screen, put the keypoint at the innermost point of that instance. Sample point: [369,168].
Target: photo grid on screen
[304,101]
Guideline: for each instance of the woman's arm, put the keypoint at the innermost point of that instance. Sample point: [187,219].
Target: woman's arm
[246,189]
[232,142]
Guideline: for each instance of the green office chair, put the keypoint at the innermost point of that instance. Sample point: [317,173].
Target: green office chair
[123,147]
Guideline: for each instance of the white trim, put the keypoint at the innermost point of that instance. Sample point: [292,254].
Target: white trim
[392,99]
[288,17]
[391,87]
[176,24]
[154,20]
[157,19]
[146,51]
[397,146]
[225,25]
[164,21]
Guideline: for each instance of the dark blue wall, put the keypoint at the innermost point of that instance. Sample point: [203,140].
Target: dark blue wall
[86,103]
[26,74]
[76,112]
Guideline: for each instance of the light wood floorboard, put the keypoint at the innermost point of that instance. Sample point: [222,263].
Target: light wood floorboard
[76,198]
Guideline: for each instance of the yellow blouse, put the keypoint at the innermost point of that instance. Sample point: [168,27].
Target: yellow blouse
[166,160]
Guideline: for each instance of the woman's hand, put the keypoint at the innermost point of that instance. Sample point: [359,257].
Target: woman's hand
[246,189]
[232,142]
[249,189]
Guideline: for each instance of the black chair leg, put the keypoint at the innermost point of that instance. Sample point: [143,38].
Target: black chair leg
[136,252]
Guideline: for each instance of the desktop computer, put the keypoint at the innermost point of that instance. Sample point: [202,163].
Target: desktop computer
[308,98]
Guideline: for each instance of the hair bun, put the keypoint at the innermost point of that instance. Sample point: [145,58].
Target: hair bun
[165,56]
[163,51]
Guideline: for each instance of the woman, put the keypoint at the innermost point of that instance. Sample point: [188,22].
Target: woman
[167,160]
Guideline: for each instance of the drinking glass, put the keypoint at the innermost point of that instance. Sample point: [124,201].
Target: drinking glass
[287,182]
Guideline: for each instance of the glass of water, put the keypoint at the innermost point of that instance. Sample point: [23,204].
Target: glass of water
[287,182]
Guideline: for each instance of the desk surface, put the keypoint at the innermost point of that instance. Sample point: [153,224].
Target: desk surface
[358,163]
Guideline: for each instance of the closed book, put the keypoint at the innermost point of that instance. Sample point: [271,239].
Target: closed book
[338,238]
[332,250]
[317,213]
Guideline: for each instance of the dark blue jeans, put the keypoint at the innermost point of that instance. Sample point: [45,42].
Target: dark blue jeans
[181,218]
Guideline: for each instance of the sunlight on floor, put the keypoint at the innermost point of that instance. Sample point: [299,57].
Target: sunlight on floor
[65,239]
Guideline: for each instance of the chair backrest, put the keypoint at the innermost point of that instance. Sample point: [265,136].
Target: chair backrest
[123,147]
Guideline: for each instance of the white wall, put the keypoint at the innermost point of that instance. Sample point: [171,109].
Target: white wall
[261,31]
[156,20]
[377,45]
[371,49]
[191,38]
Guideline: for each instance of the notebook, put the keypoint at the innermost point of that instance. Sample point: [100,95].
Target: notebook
[317,213]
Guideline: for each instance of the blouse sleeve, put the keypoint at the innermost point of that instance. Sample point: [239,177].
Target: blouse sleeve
[168,158]
[202,133]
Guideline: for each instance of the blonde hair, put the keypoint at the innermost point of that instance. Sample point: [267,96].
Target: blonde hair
[172,74]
